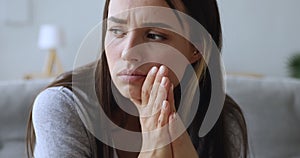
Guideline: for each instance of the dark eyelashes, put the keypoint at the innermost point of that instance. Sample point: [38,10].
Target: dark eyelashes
[156,36]
[152,35]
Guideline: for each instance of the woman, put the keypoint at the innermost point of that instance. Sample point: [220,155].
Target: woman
[131,74]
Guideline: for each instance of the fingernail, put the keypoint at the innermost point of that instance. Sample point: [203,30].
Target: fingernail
[163,81]
[153,70]
[172,87]
[162,70]
[164,106]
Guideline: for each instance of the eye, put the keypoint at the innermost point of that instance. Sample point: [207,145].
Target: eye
[117,32]
[156,36]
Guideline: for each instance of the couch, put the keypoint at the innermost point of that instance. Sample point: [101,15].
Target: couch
[272,110]
[271,107]
[15,99]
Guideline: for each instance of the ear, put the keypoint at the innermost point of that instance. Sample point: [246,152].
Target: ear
[195,56]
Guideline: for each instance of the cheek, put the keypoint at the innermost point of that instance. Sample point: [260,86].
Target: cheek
[111,51]
[112,56]
[111,59]
[185,49]
[177,65]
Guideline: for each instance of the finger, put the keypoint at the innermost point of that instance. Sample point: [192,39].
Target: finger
[162,94]
[171,98]
[164,114]
[147,85]
[153,94]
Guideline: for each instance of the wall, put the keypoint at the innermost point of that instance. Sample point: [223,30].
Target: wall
[259,35]
[19,53]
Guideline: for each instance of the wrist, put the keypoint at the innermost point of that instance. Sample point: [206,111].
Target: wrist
[164,152]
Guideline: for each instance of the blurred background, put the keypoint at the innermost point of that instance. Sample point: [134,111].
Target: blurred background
[259,36]
[20,24]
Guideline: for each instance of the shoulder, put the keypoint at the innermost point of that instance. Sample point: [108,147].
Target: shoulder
[60,93]
[53,101]
[58,127]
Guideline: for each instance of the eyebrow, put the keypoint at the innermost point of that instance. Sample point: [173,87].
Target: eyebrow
[117,20]
[159,25]
[150,24]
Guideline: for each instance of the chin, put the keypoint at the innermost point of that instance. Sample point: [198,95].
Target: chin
[131,92]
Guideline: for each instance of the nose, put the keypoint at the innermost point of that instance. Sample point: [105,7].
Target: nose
[131,52]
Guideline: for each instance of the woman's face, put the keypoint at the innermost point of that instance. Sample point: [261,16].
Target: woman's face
[133,45]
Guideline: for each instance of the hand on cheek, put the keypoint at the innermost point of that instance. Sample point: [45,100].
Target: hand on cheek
[156,100]
[155,110]
[159,121]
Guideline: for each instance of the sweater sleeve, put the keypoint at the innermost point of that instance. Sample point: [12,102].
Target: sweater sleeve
[58,127]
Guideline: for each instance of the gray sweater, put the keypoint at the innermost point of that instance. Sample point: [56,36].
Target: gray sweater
[60,133]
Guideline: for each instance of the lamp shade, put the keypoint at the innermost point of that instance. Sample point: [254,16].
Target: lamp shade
[50,37]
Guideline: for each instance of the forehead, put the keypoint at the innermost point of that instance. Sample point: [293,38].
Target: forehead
[116,6]
[140,13]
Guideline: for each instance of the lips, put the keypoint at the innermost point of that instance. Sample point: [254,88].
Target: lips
[131,75]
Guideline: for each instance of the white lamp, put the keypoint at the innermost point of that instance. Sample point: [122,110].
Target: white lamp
[51,38]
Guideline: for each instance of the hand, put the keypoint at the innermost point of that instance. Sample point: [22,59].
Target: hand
[154,112]
[160,124]
[181,145]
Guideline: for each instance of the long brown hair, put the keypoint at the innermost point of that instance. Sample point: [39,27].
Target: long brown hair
[228,137]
